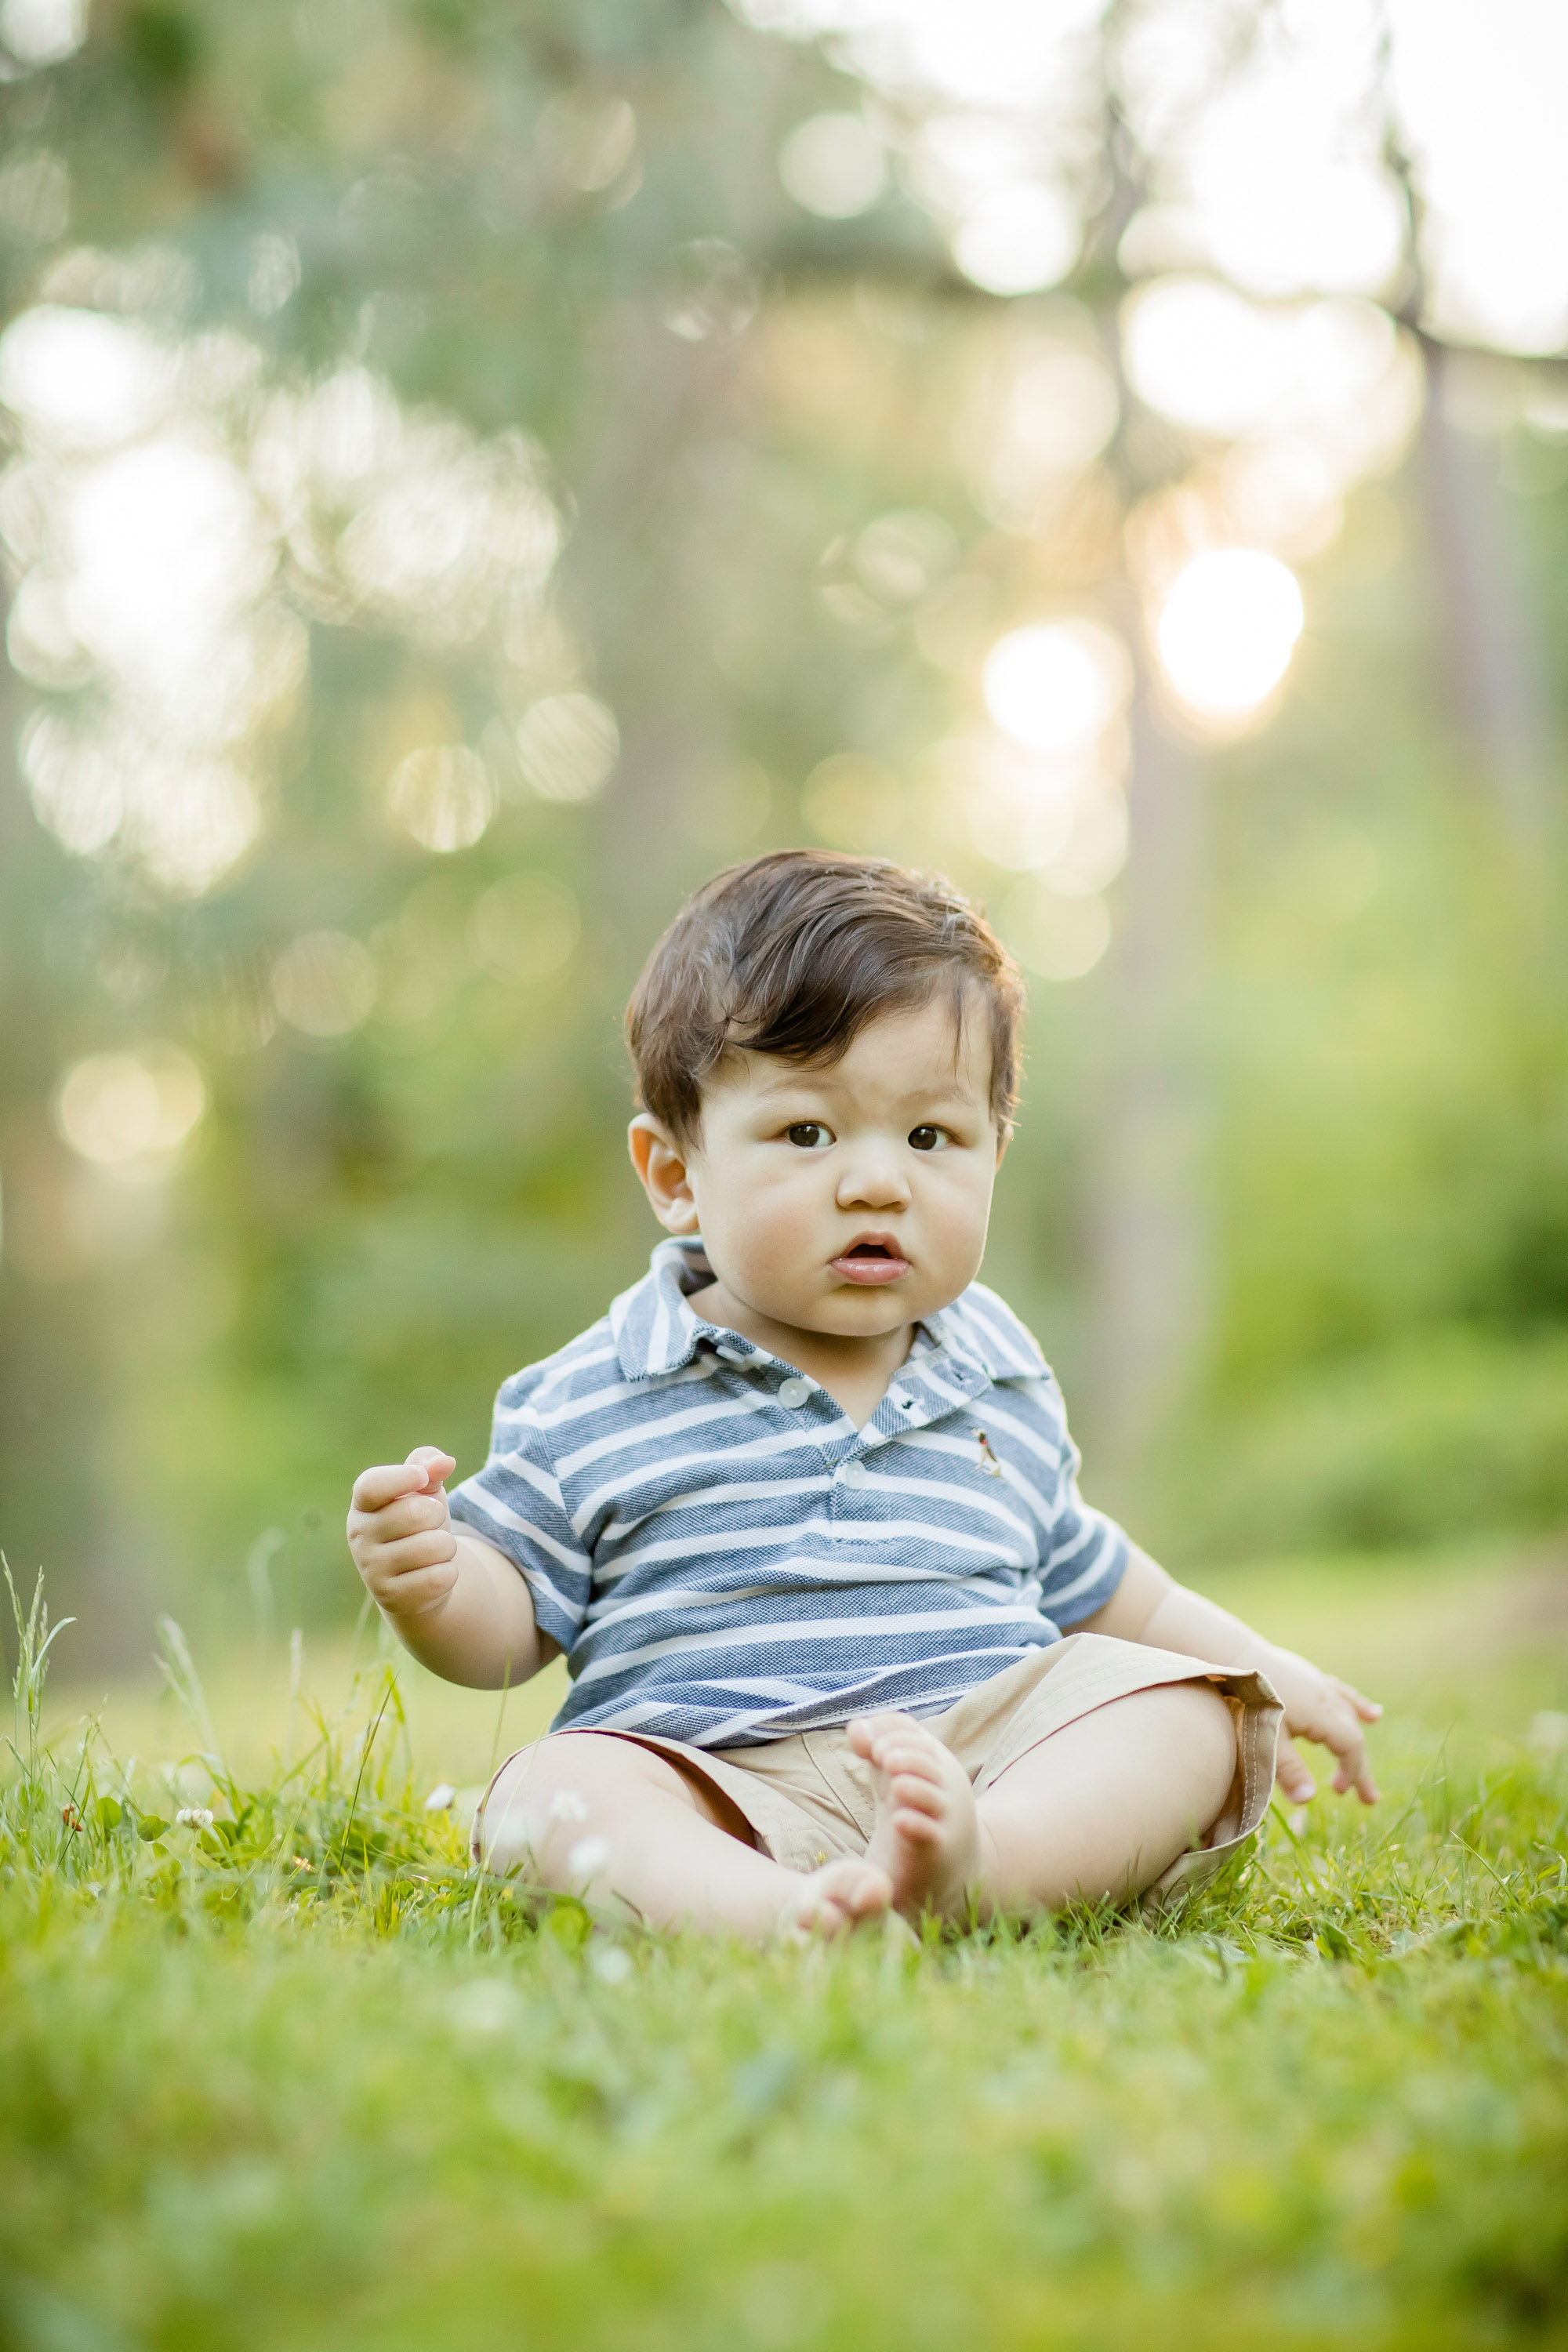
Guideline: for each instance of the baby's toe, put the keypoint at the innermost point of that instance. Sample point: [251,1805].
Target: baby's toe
[867,1734]
[834,1899]
[867,1891]
[920,1799]
[918,1829]
[899,1758]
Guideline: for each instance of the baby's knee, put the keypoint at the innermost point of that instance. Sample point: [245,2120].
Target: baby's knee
[1203,1736]
[537,1793]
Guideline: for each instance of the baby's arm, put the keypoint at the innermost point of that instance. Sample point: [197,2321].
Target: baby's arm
[454,1600]
[1150,1606]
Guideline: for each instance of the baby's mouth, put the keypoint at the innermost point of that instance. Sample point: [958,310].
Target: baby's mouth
[871,1260]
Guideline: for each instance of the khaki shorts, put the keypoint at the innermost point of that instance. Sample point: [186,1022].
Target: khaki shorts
[808,1799]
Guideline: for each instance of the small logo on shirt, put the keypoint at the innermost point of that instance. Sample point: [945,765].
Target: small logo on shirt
[988,1461]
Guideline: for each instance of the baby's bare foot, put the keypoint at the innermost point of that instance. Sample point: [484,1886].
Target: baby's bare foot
[841,1895]
[927,1836]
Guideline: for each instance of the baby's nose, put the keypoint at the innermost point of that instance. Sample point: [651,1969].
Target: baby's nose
[873,1181]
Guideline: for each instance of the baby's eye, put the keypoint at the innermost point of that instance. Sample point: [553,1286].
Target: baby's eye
[929,1139]
[808,1134]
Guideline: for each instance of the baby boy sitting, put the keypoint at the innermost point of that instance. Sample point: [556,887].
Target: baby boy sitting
[802,1509]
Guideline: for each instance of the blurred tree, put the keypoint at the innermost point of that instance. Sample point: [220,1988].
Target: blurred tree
[477,468]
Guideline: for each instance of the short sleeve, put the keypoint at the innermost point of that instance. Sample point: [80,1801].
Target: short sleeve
[1084,1555]
[515,1503]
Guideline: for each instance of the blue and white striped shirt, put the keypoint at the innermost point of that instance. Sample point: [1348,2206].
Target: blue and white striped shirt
[725,1558]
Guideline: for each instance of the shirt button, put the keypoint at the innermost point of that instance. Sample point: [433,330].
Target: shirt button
[851,1473]
[794,1391]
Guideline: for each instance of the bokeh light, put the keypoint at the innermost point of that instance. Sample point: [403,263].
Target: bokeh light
[955,155]
[1062,407]
[1018,828]
[168,554]
[42,32]
[713,295]
[1095,849]
[1283,493]
[833,165]
[442,797]
[1015,808]
[81,381]
[586,139]
[1227,630]
[1017,239]
[1209,360]
[195,818]
[324,984]
[117,1109]
[274,275]
[1036,419]
[898,556]
[1281,206]
[77,790]
[993,53]
[1055,685]
[1054,936]
[567,747]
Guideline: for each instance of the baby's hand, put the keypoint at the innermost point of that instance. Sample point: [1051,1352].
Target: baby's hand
[1320,1707]
[400,1533]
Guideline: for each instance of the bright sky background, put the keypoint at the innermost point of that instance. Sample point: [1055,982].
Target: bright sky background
[1269,172]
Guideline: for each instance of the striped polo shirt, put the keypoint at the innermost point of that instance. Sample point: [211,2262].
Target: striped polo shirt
[726,1560]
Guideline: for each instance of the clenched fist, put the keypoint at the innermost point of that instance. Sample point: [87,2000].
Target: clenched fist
[400,1533]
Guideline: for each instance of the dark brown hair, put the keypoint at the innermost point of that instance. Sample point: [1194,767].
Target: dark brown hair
[793,954]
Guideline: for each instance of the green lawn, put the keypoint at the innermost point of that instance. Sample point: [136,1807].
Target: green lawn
[298,2081]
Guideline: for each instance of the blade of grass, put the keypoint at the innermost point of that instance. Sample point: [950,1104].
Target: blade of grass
[359,1781]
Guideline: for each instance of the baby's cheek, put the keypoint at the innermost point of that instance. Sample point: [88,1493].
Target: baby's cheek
[772,1249]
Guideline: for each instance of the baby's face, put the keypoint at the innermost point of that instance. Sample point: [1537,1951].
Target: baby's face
[854,1199]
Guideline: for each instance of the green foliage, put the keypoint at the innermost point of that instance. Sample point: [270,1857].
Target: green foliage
[1404,1447]
[162,44]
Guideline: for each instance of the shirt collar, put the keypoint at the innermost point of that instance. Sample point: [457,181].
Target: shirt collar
[656,1328]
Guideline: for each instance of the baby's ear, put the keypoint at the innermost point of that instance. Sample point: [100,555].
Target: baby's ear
[660,1161]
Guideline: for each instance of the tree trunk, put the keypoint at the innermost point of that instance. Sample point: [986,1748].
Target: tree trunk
[1490,656]
[1150,1273]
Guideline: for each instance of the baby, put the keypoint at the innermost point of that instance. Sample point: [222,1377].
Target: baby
[802,1510]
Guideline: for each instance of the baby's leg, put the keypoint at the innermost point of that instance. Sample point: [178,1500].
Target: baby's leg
[586,1814]
[1097,1809]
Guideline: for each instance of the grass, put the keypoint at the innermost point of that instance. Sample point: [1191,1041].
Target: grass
[298,2079]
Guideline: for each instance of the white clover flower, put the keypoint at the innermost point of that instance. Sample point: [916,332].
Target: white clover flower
[489,2005]
[588,1855]
[195,1817]
[568,1805]
[440,1800]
